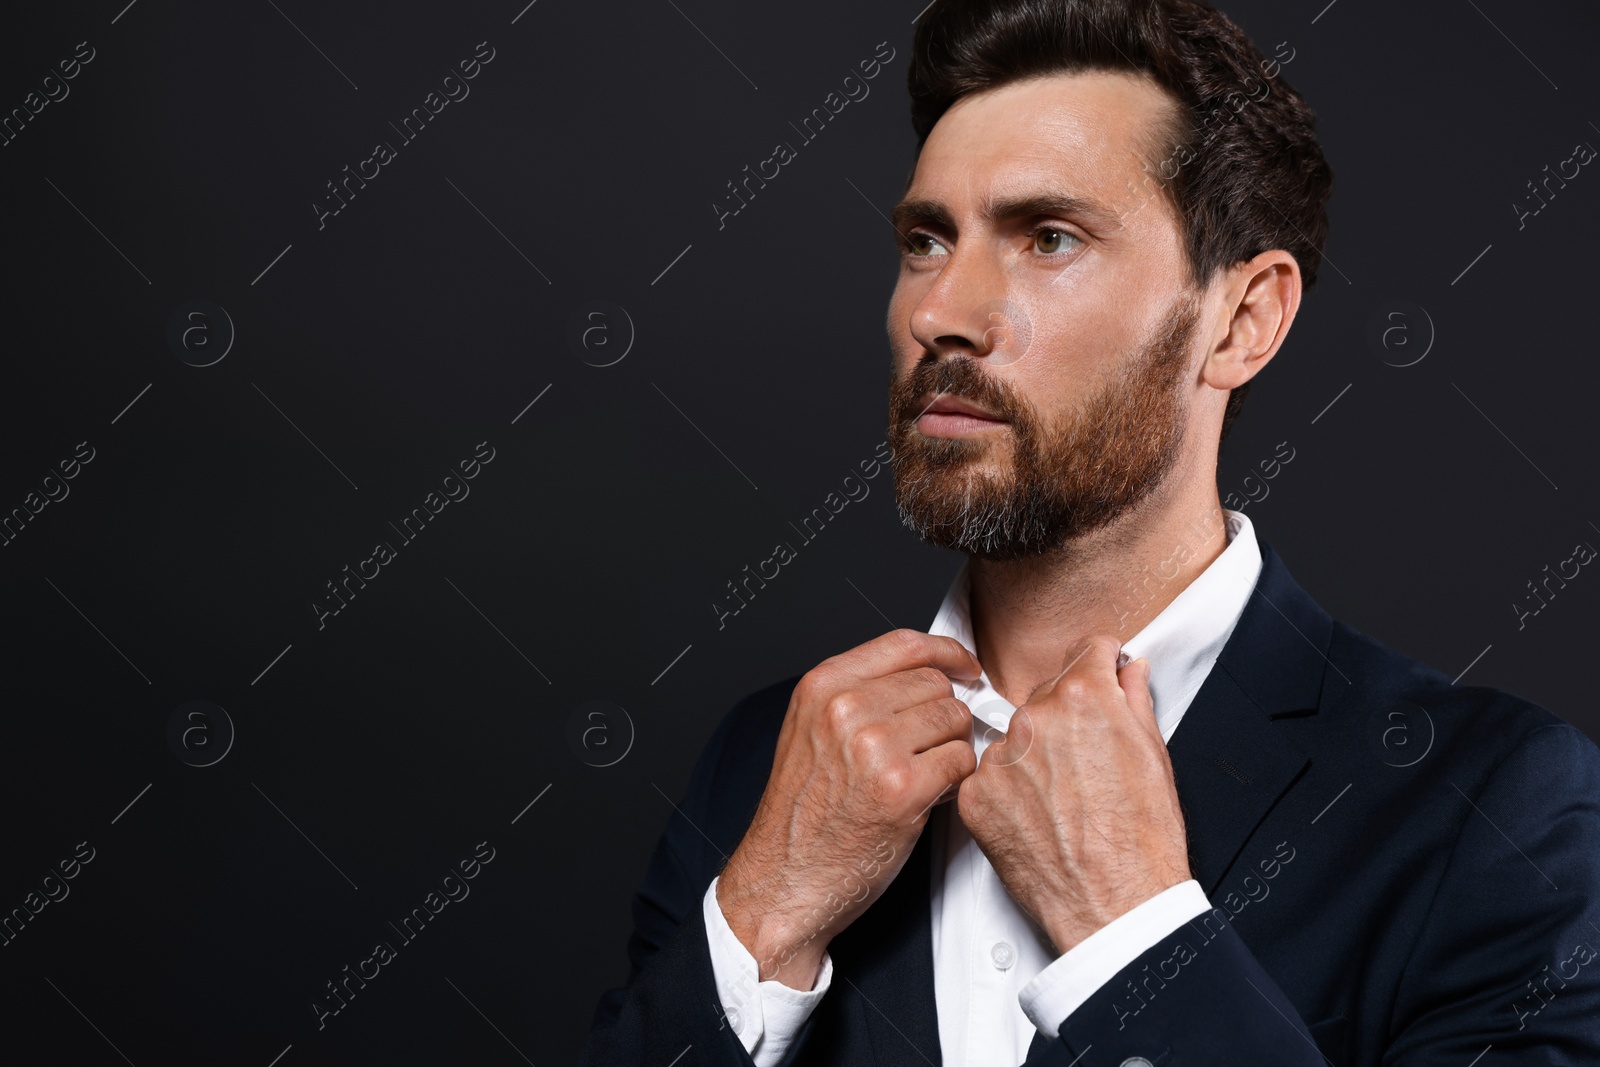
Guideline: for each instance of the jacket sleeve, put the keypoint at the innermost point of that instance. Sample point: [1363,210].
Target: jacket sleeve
[1196,997]
[1507,956]
[1505,960]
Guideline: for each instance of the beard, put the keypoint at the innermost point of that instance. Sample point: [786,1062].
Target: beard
[1064,479]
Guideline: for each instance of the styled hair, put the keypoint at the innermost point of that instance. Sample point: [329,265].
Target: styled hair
[1239,163]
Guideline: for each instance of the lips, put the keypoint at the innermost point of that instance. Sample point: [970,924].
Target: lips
[955,405]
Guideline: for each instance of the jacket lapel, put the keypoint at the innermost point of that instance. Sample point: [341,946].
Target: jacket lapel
[1231,762]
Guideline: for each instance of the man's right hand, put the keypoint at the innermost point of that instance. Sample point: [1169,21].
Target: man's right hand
[872,740]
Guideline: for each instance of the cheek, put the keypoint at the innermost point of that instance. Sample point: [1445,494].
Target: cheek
[1078,340]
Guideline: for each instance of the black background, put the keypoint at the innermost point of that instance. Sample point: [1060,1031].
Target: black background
[376,352]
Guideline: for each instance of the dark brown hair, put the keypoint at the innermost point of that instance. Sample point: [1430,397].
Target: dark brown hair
[1241,164]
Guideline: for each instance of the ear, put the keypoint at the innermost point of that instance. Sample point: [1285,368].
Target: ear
[1260,297]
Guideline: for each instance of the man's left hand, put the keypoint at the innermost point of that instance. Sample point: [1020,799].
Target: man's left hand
[1076,807]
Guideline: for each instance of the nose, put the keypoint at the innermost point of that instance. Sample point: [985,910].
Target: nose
[964,310]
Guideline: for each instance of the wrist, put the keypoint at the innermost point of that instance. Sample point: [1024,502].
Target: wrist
[782,951]
[1067,931]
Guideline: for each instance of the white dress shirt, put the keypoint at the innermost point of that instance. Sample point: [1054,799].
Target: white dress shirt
[997,978]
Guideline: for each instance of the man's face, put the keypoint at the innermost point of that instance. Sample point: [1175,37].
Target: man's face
[1044,283]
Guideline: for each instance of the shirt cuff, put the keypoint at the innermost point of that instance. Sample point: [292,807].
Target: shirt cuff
[1062,987]
[768,1015]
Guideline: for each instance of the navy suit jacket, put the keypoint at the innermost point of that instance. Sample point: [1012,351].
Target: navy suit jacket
[1401,870]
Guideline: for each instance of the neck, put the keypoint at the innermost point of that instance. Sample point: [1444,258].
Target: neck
[1029,615]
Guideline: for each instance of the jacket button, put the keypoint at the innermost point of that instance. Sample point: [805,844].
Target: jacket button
[1136,1061]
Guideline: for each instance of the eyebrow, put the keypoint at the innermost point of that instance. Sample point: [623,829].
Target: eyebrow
[919,210]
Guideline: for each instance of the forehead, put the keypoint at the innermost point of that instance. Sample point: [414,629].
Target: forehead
[1092,131]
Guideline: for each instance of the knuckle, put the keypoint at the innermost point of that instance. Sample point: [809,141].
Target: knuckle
[905,639]
[894,784]
[932,678]
[869,744]
[1074,689]
[1105,643]
[954,713]
[840,709]
[811,684]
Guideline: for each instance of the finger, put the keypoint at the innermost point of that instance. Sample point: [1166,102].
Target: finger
[934,723]
[905,649]
[1095,659]
[1135,681]
[951,791]
[942,769]
[904,689]
[1017,742]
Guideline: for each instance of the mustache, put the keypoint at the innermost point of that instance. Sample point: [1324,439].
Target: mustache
[952,378]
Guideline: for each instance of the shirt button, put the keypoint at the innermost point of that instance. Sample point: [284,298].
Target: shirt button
[1002,955]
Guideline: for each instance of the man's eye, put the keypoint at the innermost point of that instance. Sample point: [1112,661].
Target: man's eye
[921,244]
[1049,240]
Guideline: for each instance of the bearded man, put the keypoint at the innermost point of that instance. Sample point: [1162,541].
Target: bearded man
[1134,798]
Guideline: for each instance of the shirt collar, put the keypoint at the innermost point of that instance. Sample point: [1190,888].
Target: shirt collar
[1182,642]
